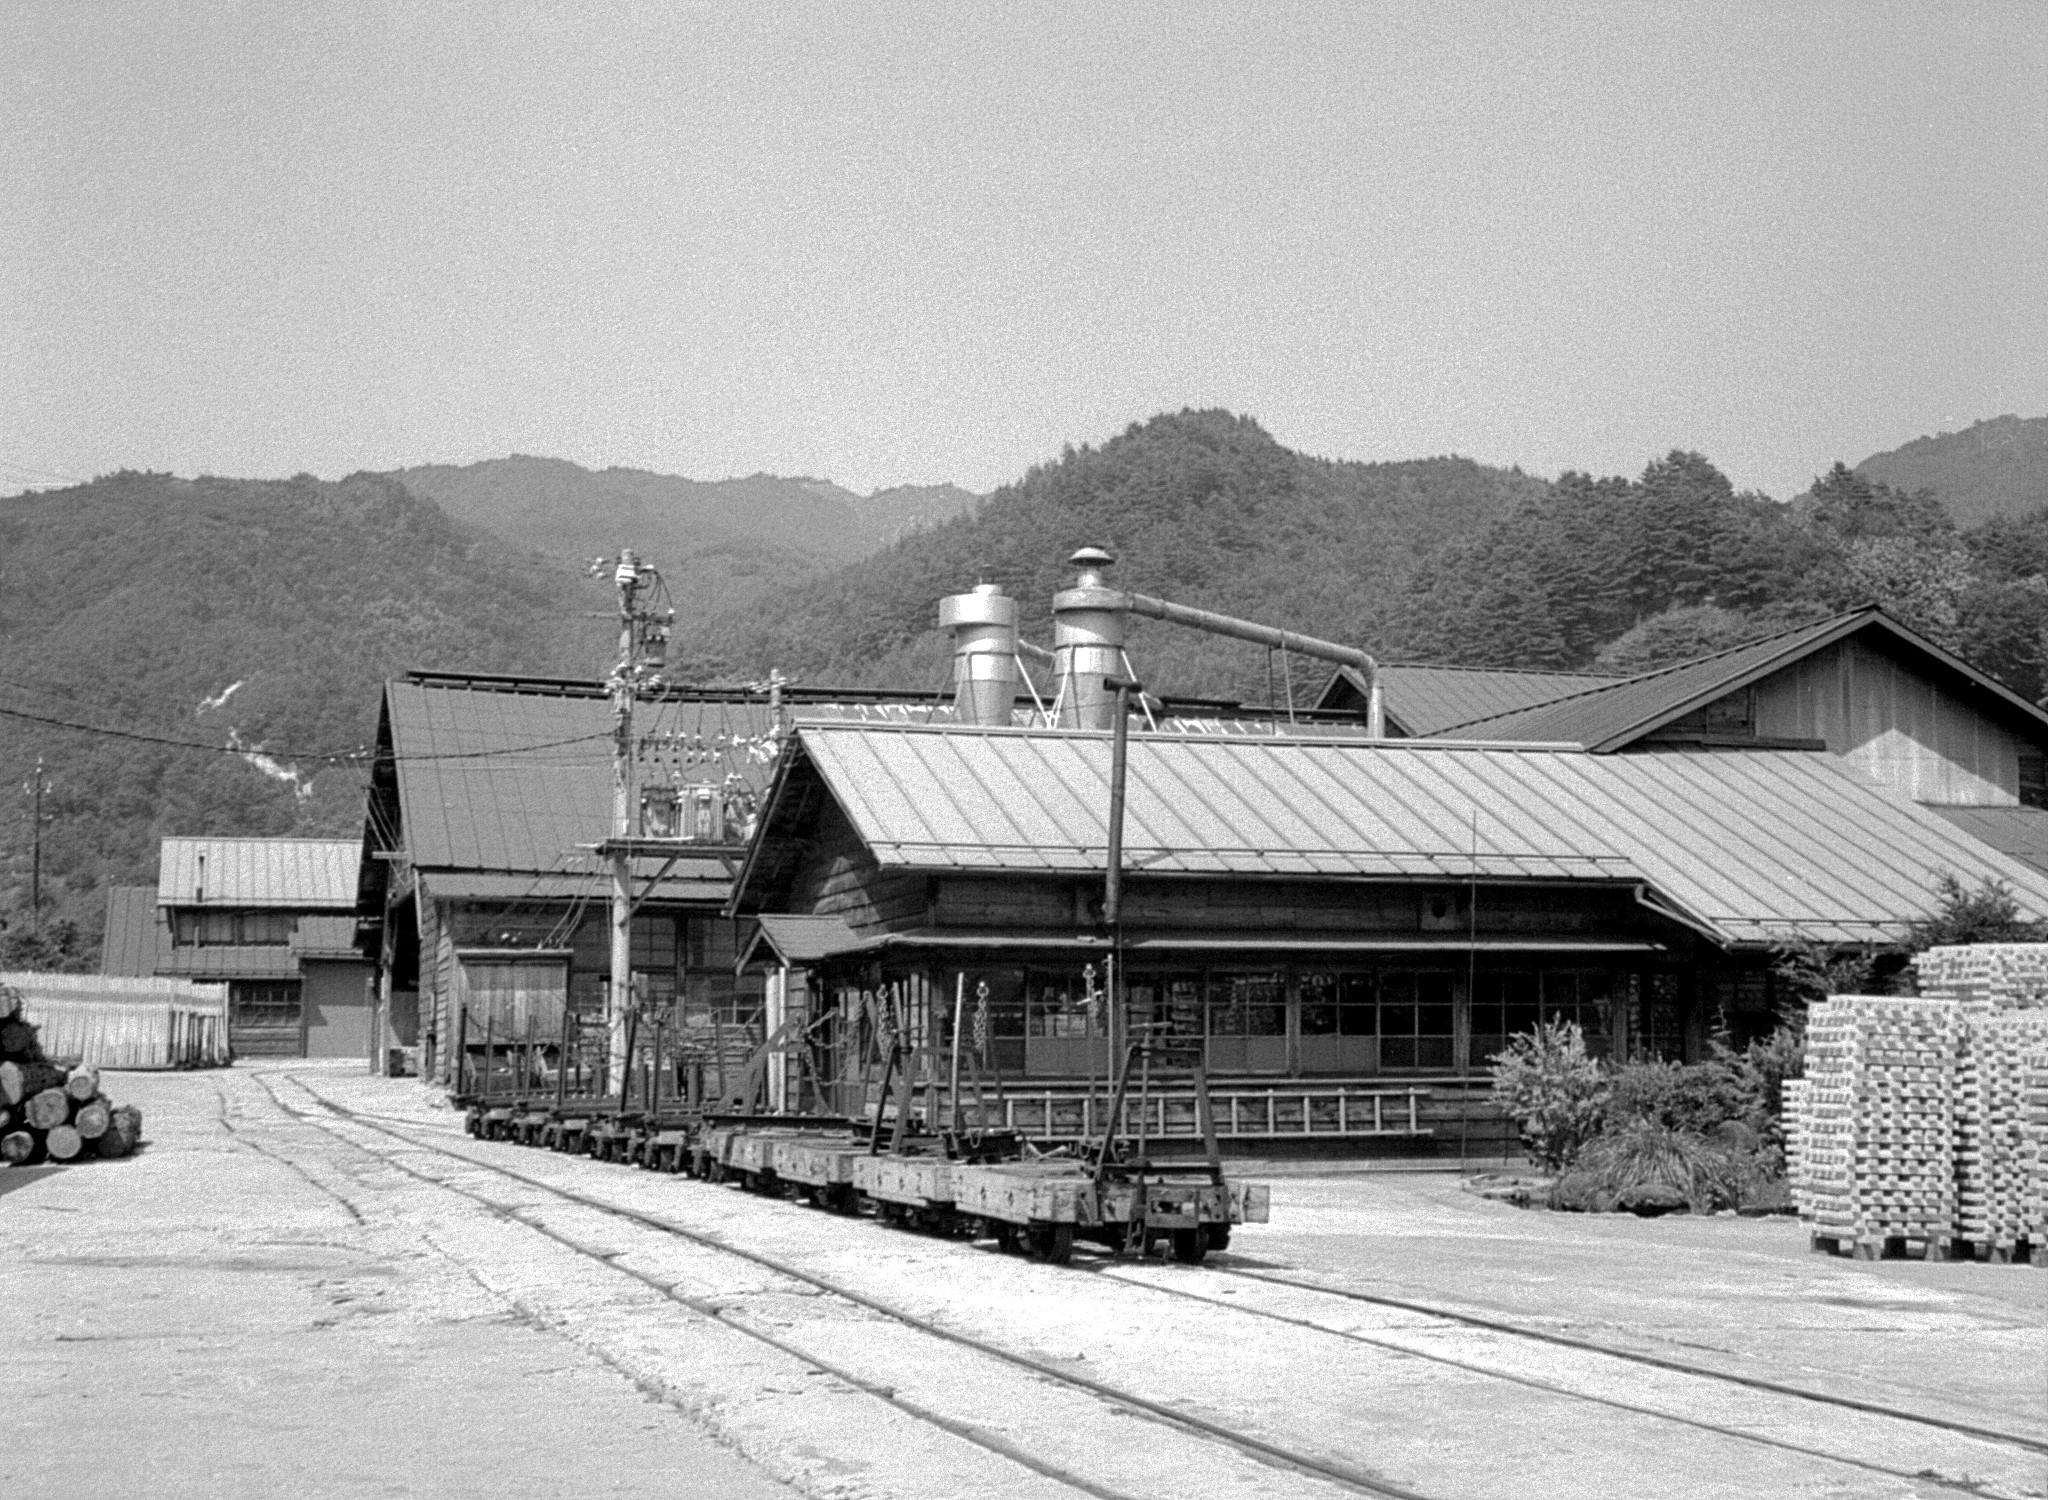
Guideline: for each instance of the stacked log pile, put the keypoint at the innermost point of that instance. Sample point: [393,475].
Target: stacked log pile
[50,1113]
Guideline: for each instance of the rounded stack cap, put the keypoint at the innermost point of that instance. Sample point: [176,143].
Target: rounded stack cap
[986,605]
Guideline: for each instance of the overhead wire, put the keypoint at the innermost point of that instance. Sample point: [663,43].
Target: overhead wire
[358,755]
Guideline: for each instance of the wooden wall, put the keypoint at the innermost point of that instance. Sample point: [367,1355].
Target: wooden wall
[1893,723]
[1287,907]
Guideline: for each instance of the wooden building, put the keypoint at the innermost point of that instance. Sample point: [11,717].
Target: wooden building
[273,919]
[479,892]
[1900,710]
[1349,924]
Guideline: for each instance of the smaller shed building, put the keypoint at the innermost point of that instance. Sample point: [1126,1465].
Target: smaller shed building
[273,920]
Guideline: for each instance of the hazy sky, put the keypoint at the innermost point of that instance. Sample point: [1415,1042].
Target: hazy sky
[906,244]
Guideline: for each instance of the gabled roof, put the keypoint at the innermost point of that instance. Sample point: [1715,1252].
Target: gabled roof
[1424,699]
[134,928]
[796,939]
[1750,848]
[519,781]
[296,873]
[1612,716]
[512,777]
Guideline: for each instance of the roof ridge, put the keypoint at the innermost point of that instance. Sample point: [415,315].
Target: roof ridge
[1446,666]
[1666,670]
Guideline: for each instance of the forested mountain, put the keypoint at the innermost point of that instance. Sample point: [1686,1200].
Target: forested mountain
[230,611]
[1204,507]
[1628,574]
[1990,469]
[720,544]
[264,615]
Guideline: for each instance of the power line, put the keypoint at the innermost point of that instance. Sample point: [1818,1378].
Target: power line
[355,756]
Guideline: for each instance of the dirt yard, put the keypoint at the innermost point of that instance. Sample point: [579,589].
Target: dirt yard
[278,1298]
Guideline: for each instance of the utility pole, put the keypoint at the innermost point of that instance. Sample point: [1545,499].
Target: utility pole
[35,789]
[643,647]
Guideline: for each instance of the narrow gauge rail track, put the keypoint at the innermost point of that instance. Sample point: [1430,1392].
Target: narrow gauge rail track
[1640,1357]
[1269,1453]
[1868,1408]
[1256,1447]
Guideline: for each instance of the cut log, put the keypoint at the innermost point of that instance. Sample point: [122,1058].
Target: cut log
[92,1117]
[124,1131]
[50,1107]
[18,1039]
[83,1083]
[10,1002]
[24,1080]
[63,1143]
[18,1147]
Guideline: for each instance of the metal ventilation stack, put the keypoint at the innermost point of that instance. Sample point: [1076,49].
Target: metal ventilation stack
[985,670]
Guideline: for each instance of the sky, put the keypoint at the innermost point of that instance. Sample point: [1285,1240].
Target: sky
[889,244]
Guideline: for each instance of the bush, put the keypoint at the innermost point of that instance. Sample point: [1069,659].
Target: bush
[1759,1072]
[1695,1099]
[1552,1090]
[1651,1168]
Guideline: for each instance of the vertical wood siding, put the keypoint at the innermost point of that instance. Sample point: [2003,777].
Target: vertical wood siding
[1893,724]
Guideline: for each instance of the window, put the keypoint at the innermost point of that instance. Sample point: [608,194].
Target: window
[2033,778]
[1509,1004]
[1170,1002]
[264,1002]
[1247,1005]
[232,929]
[1061,1005]
[1338,1005]
[1417,1020]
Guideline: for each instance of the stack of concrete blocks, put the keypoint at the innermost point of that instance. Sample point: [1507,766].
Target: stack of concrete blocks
[2001,994]
[2034,1150]
[1792,1117]
[1876,1155]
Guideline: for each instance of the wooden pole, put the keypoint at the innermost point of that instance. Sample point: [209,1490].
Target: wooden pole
[959,1006]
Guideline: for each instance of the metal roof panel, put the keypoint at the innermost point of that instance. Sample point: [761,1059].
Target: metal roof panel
[300,873]
[1759,844]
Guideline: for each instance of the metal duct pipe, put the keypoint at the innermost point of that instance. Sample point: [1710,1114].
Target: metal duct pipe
[984,626]
[1275,638]
[1088,640]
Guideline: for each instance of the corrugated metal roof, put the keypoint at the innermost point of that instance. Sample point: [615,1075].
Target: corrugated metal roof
[1424,699]
[240,961]
[1756,845]
[798,938]
[492,779]
[325,937]
[134,924]
[258,872]
[1614,715]
[2021,832]
[709,883]
[519,781]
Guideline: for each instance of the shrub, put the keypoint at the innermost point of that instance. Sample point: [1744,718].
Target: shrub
[1759,1071]
[1989,914]
[1552,1090]
[1649,1167]
[1695,1098]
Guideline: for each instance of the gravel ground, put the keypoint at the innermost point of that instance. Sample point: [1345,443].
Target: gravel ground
[266,1302]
